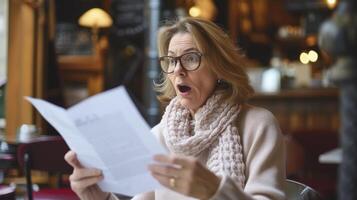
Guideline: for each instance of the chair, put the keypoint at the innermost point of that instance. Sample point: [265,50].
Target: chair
[45,154]
[311,144]
[298,191]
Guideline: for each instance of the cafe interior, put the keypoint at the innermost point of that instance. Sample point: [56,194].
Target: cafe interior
[297,54]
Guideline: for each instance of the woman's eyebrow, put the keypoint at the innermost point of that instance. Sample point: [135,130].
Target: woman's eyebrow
[186,50]
[190,49]
[171,52]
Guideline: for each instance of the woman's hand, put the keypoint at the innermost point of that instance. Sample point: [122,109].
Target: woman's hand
[84,181]
[185,175]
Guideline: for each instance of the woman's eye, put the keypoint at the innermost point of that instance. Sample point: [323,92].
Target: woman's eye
[190,58]
[172,62]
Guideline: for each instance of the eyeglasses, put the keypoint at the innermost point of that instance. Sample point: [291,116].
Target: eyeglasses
[189,61]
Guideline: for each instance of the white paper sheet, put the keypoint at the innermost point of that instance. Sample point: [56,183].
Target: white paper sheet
[107,132]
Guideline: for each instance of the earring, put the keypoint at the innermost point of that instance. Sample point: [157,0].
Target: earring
[222,84]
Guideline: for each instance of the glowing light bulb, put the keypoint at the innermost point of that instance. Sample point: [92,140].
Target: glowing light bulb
[313,56]
[194,11]
[304,58]
[331,3]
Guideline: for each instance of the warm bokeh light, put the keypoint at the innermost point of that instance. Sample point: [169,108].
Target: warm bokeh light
[95,17]
[194,11]
[246,25]
[331,3]
[244,8]
[304,58]
[311,40]
[313,56]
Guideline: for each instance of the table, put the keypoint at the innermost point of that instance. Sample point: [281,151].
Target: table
[8,151]
[331,157]
[7,157]
[8,154]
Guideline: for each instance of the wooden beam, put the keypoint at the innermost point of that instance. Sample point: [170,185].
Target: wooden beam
[20,67]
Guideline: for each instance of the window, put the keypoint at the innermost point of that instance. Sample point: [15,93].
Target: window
[3,39]
[3,56]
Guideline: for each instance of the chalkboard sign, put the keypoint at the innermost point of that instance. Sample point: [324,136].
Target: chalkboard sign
[72,40]
[128,17]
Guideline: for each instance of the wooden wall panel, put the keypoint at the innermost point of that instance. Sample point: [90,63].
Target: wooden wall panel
[20,67]
[303,109]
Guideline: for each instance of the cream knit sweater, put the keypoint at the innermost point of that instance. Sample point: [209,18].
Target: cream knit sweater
[264,158]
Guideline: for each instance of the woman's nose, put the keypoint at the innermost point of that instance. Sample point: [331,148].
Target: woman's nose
[179,70]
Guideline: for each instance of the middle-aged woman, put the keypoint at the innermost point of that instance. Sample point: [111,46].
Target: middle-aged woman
[221,148]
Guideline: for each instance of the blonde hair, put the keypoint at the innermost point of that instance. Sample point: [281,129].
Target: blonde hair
[219,51]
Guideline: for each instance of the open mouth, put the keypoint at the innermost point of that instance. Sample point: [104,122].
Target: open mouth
[183,88]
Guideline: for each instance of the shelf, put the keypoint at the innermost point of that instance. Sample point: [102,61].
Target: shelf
[83,69]
[302,109]
[298,93]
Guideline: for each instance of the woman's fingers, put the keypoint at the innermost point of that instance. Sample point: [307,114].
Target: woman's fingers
[191,179]
[84,173]
[82,184]
[179,166]
[72,160]
[165,180]
[164,170]
[82,178]
[175,160]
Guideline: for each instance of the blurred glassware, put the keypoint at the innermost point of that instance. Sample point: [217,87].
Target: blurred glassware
[72,40]
[27,132]
[271,80]
[255,77]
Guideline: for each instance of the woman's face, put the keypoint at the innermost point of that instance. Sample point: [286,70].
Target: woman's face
[192,87]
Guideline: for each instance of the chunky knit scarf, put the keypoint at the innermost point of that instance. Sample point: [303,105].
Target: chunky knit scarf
[212,129]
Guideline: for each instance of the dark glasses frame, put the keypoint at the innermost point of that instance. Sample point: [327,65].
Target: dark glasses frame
[178,58]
